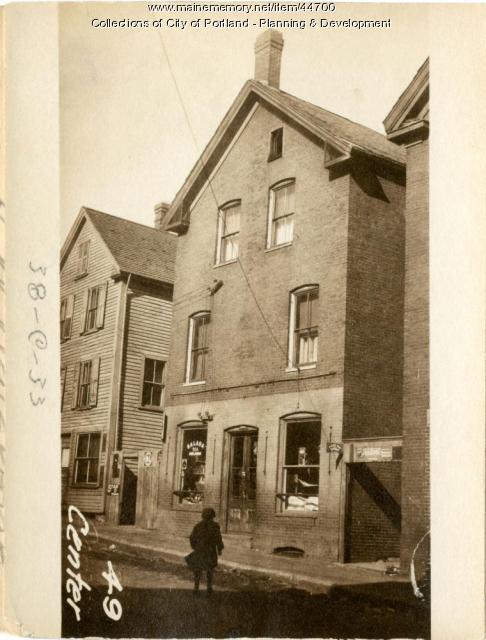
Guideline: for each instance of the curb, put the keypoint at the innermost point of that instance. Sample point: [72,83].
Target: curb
[327,586]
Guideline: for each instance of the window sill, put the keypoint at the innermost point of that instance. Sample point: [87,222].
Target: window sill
[80,276]
[223,264]
[297,514]
[85,485]
[88,332]
[278,246]
[150,408]
[193,384]
[304,367]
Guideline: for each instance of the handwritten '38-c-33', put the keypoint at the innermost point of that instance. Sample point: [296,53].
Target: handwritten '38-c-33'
[75,583]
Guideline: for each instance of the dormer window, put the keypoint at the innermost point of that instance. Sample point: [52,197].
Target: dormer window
[276,144]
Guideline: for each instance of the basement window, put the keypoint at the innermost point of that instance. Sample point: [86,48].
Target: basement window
[276,144]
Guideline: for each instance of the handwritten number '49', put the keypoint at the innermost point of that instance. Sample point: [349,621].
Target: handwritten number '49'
[112,606]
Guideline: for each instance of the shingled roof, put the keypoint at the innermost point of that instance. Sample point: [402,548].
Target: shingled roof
[136,248]
[351,134]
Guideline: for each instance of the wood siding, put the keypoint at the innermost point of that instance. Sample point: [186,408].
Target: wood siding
[97,344]
[147,334]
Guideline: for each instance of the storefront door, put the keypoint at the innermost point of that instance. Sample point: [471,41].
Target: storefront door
[242,482]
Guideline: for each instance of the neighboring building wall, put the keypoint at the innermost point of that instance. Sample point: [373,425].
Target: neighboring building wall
[374,306]
[415,482]
[99,343]
[147,334]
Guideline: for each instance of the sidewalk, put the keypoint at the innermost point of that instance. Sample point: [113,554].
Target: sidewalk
[311,573]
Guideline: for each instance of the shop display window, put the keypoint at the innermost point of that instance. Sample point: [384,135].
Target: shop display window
[192,466]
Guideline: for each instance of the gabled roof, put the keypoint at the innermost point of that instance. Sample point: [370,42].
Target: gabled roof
[343,135]
[136,248]
[413,104]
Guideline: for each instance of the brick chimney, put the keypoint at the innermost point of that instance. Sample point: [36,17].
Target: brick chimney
[160,211]
[268,54]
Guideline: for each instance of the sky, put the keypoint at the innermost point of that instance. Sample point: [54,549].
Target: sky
[126,142]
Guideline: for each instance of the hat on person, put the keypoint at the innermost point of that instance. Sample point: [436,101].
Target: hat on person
[208,513]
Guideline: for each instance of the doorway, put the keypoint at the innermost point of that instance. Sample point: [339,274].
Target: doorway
[242,477]
[128,506]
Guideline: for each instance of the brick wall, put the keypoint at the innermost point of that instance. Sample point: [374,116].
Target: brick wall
[374,306]
[415,488]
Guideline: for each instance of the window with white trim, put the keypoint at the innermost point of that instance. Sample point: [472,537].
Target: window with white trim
[303,327]
[198,347]
[192,469]
[94,308]
[87,459]
[83,257]
[153,383]
[281,214]
[66,317]
[85,384]
[300,468]
[228,232]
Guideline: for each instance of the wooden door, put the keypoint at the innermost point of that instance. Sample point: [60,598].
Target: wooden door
[242,482]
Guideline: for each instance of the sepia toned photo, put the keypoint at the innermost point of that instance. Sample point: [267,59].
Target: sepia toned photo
[244,321]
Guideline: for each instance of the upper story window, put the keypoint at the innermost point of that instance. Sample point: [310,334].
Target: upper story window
[281,214]
[153,383]
[63,385]
[303,328]
[198,347]
[66,320]
[276,144]
[87,459]
[83,257]
[94,312]
[300,469]
[85,384]
[228,232]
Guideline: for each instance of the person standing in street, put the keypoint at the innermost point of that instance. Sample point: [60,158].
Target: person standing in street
[207,544]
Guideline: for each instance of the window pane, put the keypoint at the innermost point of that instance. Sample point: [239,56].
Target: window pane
[302,445]
[93,471]
[81,471]
[229,248]
[148,373]
[238,447]
[302,480]
[199,335]
[283,230]
[159,368]
[290,205]
[231,220]
[198,365]
[156,395]
[302,311]
[146,394]
[94,445]
[82,450]
[280,197]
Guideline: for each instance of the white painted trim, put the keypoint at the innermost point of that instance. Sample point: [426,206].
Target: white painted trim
[224,156]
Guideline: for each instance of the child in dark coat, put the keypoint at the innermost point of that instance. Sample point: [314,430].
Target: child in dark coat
[207,543]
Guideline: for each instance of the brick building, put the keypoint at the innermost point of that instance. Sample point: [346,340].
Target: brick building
[285,383]
[116,308]
[408,124]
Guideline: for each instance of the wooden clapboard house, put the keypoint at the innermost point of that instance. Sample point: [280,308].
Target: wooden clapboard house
[115,317]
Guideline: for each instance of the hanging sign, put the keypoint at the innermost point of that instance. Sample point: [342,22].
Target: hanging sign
[334,447]
[147,458]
